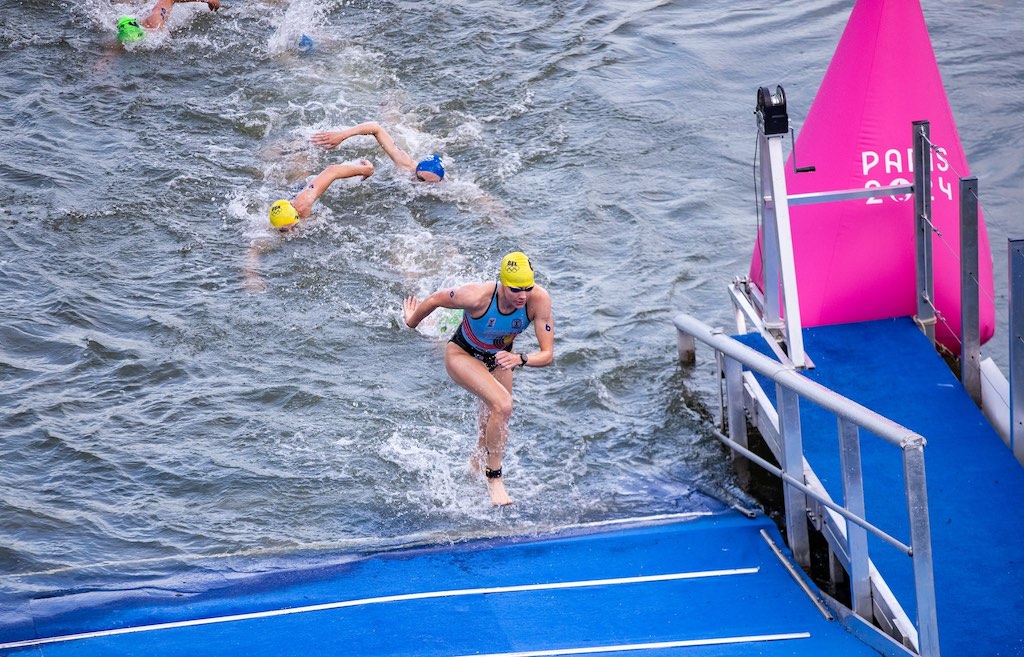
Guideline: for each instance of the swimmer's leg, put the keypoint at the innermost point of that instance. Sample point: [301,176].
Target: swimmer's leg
[477,458]
[495,391]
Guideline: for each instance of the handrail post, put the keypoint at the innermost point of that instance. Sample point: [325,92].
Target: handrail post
[1016,330]
[970,332]
[921,542]
[856,536]
[793,465]
[922,228]
[734,400]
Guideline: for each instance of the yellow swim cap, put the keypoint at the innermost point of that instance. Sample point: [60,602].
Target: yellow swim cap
[516,270]
[283,214]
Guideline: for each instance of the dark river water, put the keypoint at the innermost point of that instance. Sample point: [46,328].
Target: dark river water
[171,403]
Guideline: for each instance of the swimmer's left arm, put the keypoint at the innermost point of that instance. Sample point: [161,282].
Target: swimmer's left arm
[544,327]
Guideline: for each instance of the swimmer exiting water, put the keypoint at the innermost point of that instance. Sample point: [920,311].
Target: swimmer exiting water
[129,29]
[285,215]
[430,169]
[479,356]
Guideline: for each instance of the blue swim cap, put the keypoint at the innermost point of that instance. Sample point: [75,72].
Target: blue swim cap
[432,165]
[305,43]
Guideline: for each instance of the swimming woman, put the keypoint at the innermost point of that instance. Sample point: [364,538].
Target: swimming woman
[480,355]
[285,215]
[129,28]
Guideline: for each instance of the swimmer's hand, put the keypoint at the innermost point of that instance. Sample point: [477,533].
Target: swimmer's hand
[368,166]
[214,5]
[328,139]
[507,360]
[410,305]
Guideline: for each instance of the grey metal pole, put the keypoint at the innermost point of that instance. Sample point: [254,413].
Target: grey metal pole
[856,537]
[922,228]
[921,542]
[686,347]
[771,314]
[793,465]
[1016,285]
[970,337]
[734,398]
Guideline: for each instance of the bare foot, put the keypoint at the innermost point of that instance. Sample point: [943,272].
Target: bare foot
[496,488]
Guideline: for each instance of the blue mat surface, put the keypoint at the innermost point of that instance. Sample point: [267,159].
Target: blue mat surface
[975,486]
[702,587]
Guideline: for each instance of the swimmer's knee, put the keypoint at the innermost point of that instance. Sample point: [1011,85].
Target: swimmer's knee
[501,408]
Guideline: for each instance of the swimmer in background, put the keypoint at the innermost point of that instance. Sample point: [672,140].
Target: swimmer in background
[430,169]
[285,215]
[479,356]
[129,29]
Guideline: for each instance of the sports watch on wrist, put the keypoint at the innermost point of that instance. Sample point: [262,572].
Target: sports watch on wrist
[522,360]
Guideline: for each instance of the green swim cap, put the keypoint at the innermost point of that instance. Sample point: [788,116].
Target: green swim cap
[129,30]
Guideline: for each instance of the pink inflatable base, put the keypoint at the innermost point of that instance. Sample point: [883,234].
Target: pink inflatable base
[855,260]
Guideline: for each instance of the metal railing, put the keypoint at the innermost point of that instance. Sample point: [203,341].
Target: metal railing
[791,388]
[1015,256]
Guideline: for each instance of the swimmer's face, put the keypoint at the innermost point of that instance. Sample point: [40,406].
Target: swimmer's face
[427,176]
[290,228]
[518,295]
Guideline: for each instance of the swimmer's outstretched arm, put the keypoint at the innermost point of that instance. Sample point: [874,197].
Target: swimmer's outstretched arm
[304,200]
[473,298]
[416,310]
[162,10]
[332,138]
[252,279]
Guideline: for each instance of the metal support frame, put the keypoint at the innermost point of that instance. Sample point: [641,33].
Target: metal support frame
[970,312]
[923,228]
[856,537]
[1016,292]
[791,387]
[920,541]
[781,307]
[797,535]
[734,392]
[781,303]
[779,310]
[687,349]
[810,198]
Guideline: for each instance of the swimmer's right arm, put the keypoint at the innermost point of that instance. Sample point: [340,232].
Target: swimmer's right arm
[416,310]
[332,138]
